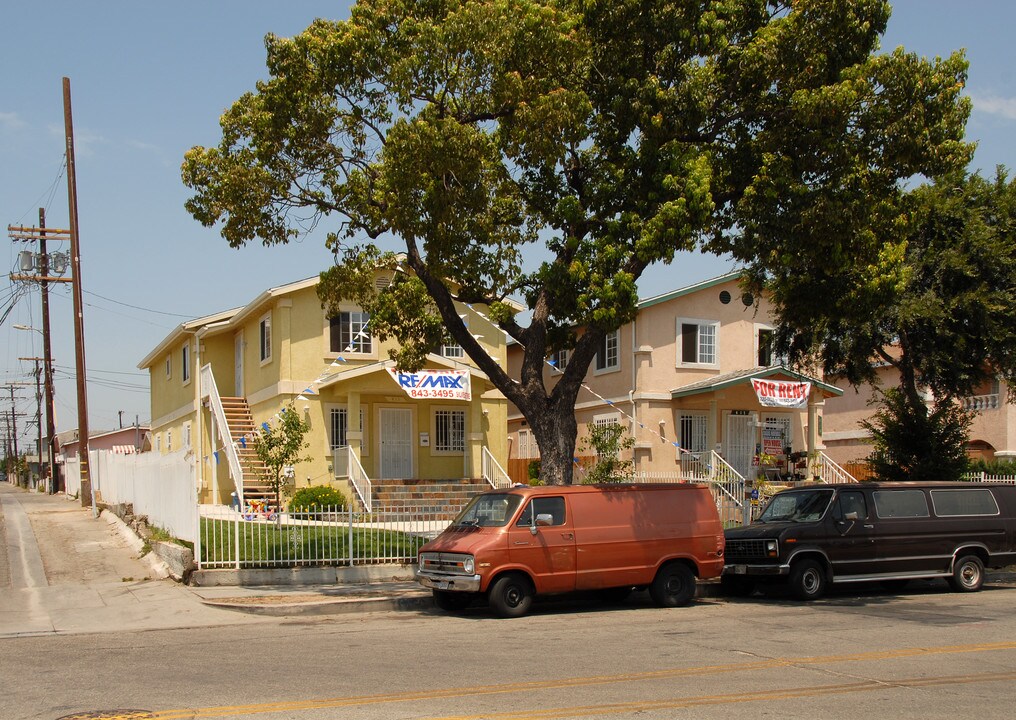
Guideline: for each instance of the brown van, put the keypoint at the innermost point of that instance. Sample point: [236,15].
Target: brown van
[511,545]
[808,538]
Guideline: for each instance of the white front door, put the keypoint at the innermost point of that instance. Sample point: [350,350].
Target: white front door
[739,444]
[238,365]
[396,443]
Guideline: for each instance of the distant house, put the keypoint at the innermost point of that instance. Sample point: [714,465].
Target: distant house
[218,380]
[680,378]
[992,434]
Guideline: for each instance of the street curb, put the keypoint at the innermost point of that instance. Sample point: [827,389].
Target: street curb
[331,606]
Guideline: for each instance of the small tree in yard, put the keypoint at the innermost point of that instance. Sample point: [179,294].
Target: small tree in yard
[608,441]
[279,445]
[914,442]
[553,150]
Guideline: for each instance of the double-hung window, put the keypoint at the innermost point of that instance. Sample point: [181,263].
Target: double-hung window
[348,333]
[697,342]
[608,356]
[185,364]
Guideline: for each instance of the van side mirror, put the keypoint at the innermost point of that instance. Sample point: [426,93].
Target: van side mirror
[542,519]
[853,516]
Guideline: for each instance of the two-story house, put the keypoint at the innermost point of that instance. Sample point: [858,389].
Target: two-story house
[218,380]
[694,380]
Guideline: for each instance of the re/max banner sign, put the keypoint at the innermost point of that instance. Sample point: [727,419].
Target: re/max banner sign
[434,384]
[781,393]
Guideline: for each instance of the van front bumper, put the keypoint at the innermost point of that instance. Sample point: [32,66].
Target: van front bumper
[452,583]
[737,570]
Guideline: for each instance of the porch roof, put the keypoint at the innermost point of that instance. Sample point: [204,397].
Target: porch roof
[741,377]
[345,375]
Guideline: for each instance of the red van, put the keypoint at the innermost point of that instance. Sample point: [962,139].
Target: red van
[511,545]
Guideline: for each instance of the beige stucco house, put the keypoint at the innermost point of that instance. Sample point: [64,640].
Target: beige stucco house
[680,378]
[992,433]
[218,379]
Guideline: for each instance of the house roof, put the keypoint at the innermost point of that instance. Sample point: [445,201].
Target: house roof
[680,292]
[740,377]
[363,370]
[183,329]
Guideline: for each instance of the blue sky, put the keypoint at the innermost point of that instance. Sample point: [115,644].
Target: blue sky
[149,80]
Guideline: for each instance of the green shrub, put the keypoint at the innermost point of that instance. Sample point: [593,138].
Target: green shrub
[993,467]
[317,497]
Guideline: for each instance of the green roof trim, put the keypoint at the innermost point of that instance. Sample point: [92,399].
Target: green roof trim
[704,285]
[741,377]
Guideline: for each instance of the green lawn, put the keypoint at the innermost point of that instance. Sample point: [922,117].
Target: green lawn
[265,543]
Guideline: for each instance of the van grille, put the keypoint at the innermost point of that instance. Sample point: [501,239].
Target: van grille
[451,563]
[746,550]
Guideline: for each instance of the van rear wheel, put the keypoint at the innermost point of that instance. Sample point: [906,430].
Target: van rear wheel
[511,596]
[807,580]
[673,586]
[968,574]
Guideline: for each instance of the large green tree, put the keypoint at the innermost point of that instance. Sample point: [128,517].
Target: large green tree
[553,150]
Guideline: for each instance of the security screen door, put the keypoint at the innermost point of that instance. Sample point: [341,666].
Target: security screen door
[396,443]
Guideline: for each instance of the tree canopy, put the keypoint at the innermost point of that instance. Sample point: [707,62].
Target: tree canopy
[601,136]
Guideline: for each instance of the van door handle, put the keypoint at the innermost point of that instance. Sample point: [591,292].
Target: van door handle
[870,527]
[568,536]
[521,542]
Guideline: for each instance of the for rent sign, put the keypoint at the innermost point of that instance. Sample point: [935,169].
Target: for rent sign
[434,384]
[782,393]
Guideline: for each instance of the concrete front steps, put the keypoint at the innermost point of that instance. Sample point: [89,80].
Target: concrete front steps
[441,498]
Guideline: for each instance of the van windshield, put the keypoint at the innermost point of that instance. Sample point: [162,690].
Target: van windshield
[797,506]
[489,510]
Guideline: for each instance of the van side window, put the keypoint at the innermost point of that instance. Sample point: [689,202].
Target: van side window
[853,502]
[900,503]
[964,502]
[553,506]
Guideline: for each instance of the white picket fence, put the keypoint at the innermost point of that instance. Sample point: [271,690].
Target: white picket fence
[160,487]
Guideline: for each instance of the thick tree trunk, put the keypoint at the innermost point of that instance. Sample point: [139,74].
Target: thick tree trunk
[555,434]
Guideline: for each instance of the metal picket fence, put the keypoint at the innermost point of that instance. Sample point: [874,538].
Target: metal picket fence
[231,538]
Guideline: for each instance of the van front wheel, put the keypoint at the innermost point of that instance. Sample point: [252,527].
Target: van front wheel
[807,580]
[968,574]
[511,596]
[673,586]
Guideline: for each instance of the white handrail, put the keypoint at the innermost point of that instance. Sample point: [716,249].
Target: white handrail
[347,465]
[726,477]
[211,391]
[830,472]
[493,473]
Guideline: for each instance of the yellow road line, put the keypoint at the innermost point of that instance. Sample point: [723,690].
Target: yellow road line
[561,683]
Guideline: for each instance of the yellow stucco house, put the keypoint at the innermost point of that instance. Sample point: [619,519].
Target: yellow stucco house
[218,379]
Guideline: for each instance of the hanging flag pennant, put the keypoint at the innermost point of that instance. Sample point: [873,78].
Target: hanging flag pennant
[265,426]
[216,455]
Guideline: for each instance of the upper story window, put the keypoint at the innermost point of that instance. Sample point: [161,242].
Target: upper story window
[560,360]
[348,333]
[451,349]
[765,343]
[608,357]
[185,363]
[697,342]
[265,338]
[169,366]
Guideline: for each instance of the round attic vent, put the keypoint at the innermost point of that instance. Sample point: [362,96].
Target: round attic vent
[747,299]
[725,297]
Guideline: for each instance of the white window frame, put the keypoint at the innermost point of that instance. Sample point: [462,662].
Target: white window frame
[187,436]
[774,359]
[451,349]
[437,415]
[330,411]
[608,419]
[611,338]
[699,324]
[784,420]
[529,449]
[169,441]
[561,358]
[265,338]
[698,429]
[361,347]
[169,366]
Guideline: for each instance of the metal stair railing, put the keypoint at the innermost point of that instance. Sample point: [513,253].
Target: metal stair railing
[211,391]
[348,467]
[830,472]
[493,473]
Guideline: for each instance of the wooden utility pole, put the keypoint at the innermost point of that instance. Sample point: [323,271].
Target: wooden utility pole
[47,360]
[79,321]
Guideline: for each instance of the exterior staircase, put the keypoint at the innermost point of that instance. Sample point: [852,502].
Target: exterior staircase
[241,425]
[441,498]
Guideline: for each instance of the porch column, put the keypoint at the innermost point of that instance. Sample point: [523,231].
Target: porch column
[354,432]
[813,436]
[711,426]
[474,438]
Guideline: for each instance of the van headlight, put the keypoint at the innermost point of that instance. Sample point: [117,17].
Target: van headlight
[772,548]
[468,566]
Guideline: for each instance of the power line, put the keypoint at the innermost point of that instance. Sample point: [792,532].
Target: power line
[137,307]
